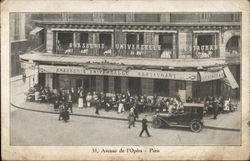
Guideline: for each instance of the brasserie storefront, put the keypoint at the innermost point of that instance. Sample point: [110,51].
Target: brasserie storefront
[145,59]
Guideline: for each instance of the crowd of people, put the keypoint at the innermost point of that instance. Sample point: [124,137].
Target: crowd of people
[120,102]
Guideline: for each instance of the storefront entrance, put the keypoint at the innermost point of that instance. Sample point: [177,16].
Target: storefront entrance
[84,83]
[161,87]
[134,86]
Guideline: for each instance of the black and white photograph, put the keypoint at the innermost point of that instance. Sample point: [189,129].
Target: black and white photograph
[101,78]
[140,80]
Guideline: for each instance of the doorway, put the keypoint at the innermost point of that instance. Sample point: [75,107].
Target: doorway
[134,86]
[85,83]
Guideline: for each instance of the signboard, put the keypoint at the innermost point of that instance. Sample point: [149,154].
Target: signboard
[208,76]
[175,75]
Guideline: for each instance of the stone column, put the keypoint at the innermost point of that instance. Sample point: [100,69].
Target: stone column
[76,39]
[174,47]
[111,84]
[49,42]
[221,48]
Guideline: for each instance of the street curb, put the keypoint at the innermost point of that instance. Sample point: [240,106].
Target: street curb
[115,118]
[75,114]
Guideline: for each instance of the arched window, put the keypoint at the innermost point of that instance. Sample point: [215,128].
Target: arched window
[233,45]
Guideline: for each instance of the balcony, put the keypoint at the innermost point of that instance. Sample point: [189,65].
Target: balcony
[121,60]
[167,53]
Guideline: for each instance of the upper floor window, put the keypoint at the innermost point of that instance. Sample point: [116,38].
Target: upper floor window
[132,41]
[206,46]
[146,17]
[166,43]
[64,42]
[233,45]
[106,40]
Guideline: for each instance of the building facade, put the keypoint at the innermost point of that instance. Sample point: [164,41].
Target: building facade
[190,54]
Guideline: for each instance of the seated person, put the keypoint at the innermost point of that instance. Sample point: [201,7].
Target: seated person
[166,54]
[37,96]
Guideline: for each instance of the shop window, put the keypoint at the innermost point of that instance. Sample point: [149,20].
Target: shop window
[134,86]
[41,80]
[161,87]
[105,84]
[132,40]
[232,45]
[106,40]
[117,84]
[93,83]
[65,42]
[166,42]
[206,46]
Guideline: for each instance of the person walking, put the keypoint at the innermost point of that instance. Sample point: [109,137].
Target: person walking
[61,110]
[80,100]
[70,101]
[56,102]
[145,126]
[131,119]
[215,108]
[97,106]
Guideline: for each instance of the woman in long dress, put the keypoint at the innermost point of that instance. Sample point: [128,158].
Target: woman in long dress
[80,100]
[121,106]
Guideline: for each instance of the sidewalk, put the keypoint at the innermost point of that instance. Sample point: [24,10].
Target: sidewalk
[227,121]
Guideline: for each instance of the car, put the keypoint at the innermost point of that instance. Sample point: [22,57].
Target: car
[191,116]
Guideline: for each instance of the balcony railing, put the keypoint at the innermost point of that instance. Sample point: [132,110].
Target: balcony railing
[161,54]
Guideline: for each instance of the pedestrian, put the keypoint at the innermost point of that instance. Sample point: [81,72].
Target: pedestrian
[215,108]
[80,100]
[145,126]
[97,106]
[56,102]
[61,110]
[131,119]
[88,99]
[70,101]
[121,106]
[135,110]
[65,114]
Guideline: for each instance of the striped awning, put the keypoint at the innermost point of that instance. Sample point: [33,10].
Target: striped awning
[152,31]
[82,30]
[206,31]
[36,30]
[229,79]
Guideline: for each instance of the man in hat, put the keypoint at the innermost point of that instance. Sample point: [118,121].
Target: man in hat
[145,126]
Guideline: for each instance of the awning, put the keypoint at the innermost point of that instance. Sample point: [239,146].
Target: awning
[206,31]
[36,30]
[211,75]
[82,30]
[173,75]
[152,31]
[229,79]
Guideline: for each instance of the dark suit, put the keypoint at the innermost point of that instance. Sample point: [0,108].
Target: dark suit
[145,127]
[215,109]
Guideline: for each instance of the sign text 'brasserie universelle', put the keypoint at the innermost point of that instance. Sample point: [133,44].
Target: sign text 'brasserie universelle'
[141,47]
[191,76]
